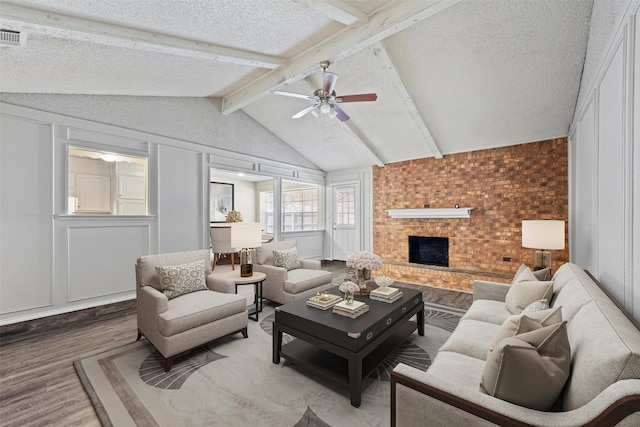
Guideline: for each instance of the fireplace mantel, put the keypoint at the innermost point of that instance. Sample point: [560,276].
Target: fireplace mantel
[430,213]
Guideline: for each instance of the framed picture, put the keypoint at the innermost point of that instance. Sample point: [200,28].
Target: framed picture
[220,200]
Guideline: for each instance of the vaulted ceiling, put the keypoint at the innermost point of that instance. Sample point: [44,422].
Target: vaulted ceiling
[450,75]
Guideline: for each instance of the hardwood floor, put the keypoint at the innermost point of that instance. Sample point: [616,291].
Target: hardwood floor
[38,384]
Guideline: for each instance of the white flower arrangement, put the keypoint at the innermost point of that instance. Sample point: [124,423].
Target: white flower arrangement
[349,286]
[364,260]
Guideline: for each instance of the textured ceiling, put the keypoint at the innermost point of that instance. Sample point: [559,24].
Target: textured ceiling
[451,76]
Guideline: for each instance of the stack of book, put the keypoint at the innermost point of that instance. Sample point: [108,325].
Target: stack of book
[352,310]
[386,294]
[323,301]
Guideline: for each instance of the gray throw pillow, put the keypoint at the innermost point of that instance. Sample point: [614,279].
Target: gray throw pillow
[543,274]
[181,279]
[523,293]
[521,323]
[529,369]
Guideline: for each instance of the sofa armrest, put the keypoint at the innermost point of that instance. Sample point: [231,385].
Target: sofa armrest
[221,284]
[417,395]
[151,300]
[310,264]
[490,290]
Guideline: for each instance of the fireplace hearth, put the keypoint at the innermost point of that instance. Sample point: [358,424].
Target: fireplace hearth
[429,250]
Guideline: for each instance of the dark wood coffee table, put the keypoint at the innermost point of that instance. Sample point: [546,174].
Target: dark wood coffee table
[342,349]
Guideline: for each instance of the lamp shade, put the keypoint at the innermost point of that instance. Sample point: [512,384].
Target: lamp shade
[246,234]
[543,234]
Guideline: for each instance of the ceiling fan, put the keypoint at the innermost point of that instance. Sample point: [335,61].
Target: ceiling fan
[325,99]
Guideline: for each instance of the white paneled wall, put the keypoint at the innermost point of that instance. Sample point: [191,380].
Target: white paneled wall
[605,195]
[52,262]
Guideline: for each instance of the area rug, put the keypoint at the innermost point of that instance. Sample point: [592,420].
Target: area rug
[233,382]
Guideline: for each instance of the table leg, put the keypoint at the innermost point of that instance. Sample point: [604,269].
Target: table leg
[355,380]
[420,320]
[260,298]
[277,343]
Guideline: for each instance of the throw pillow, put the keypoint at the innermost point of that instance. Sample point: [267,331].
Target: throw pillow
[287,258]
[543,274]
[529,369]
[523,269]
[176,280]
[539,305]
[521,323]
[523,293]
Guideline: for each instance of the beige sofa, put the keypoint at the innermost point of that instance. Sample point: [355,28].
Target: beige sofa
[284,286]
[603,387]
[175,326]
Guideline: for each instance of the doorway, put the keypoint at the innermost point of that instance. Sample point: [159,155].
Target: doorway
[346,220]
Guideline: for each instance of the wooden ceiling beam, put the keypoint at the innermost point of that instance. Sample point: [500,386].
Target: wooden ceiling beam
[339,11]
[385,62]
[383,24]
[19,18]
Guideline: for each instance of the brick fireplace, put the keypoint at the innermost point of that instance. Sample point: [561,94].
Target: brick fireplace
[503,186]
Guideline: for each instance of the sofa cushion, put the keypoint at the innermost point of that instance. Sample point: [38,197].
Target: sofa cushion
[286,258]
[471,338]
[301,279]
[529,369]
[199,308]
[489,311]
[457,368]
[524,273]
[264,253]
[523,293]
[520,323]
[181,279]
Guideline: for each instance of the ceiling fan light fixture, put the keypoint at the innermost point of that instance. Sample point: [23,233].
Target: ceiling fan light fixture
[332,112]
[325,108]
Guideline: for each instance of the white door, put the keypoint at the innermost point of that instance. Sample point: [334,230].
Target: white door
[346,220]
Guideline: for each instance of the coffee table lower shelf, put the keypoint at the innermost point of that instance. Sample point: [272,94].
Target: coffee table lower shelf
[335,367]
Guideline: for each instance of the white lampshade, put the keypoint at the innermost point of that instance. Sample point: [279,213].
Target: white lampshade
[543,234]
[246,234]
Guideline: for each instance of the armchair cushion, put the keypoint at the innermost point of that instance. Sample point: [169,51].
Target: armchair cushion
[286,258]
[300,280]
[195,309]
[181,279]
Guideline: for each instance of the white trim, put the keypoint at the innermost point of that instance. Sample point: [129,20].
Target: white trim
[430,213]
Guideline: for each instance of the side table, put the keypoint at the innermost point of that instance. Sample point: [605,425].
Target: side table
[256,280]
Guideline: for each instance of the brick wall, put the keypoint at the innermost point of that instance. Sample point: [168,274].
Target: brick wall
[502,185]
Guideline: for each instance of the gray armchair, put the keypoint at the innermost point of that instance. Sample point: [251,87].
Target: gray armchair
[177,325]
[284,286]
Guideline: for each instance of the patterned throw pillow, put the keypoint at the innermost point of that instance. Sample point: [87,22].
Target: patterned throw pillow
[539,305]
[287,258]
[176,280]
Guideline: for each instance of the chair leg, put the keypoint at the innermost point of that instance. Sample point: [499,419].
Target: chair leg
[168,363]
[215,259]
[233,257]
[244,333]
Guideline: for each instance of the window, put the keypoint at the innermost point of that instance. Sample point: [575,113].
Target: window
[106,183]
[345,206]
[300,206]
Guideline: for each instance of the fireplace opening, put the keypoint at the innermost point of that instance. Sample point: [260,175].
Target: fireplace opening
[429,250]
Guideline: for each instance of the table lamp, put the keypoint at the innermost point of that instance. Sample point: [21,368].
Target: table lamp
[541,235]
[247,236]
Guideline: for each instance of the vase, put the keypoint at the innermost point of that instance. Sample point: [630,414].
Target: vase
[348,298]
[364,273]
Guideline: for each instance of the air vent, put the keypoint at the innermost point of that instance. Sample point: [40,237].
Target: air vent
[9,38]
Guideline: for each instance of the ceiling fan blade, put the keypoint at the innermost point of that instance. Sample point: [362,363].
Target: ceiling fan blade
[357,98]
[293,95]
[328,82]
[307,110]
[341,115]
